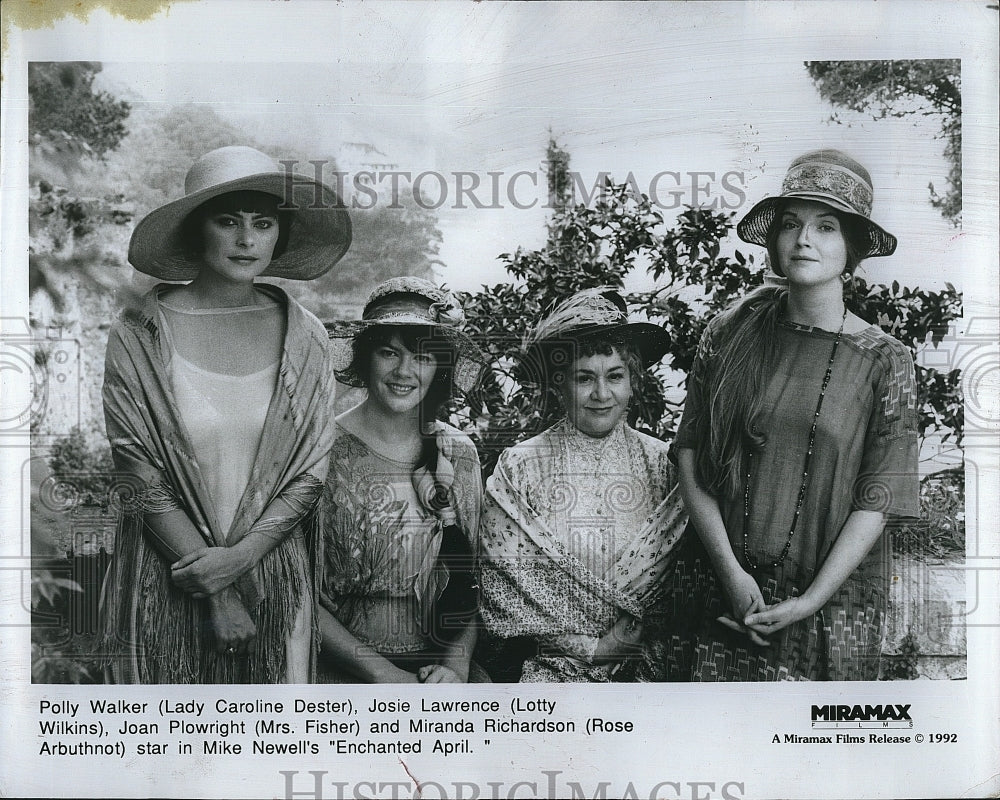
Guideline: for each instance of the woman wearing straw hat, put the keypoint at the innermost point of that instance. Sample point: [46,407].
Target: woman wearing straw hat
[798,438]
[580,522]
[400,513]
[217,397]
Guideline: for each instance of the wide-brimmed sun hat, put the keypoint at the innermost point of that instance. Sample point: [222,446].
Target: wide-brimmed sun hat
[588,314]
[320,228]
[830,177]
[410,301]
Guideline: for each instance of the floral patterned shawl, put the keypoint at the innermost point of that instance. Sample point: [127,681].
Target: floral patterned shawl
[537,584]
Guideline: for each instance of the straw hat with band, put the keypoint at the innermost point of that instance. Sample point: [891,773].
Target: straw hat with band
[320,229]
[830,177]
[415,302]
[586,315]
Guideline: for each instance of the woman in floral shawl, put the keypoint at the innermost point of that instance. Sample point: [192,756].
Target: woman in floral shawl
[217,397]
[580,522]
[400,512]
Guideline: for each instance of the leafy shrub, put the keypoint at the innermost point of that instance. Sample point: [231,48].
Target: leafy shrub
[599,245]
[940,530]
[903,666]
[56,655]
[88,469]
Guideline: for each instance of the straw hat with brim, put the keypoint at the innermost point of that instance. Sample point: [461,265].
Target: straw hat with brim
[320,229]
[590,314]
[414,302]
[829,177]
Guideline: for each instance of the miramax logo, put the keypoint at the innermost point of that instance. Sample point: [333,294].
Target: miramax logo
[860,713]
[881,715]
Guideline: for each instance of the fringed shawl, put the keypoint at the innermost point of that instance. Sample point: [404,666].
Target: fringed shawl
[152,631]
[534,586]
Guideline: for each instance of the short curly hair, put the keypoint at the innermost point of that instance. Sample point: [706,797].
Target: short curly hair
[560,356]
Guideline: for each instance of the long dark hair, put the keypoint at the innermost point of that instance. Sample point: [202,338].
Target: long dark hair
[459,601]
[736,375]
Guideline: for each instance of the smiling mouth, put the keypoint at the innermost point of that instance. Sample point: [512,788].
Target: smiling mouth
[605,410]
[400,389]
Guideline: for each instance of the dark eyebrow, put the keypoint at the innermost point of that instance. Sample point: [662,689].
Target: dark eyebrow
[581,371]
[253,214]
[787,213]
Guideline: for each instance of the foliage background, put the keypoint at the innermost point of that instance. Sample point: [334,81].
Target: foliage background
[600,244]
[97,165]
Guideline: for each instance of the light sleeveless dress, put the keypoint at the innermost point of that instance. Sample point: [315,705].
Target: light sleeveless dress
[223,408]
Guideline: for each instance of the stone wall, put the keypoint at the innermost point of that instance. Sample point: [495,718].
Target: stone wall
[927,600]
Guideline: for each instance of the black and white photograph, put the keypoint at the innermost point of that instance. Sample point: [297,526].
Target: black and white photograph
[622,377]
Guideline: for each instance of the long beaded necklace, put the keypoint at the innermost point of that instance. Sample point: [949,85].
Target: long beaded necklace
[805,470]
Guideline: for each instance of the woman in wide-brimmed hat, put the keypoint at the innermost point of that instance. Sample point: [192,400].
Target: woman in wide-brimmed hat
[217,397]
[798,439]
[580,522]
[400,513]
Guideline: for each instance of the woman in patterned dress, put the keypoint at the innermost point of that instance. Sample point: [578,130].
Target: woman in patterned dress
[798,439]
[580,522]
[400,513]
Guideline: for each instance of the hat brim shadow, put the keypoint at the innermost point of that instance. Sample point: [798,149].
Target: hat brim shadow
[540,360]
[467,371]
[319,237]
[753,228]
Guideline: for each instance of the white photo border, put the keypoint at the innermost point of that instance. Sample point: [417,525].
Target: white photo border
[688,740]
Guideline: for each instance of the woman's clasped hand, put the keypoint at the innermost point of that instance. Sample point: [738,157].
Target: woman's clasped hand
[745,550]
[209,570]
[798,440]
[211,576]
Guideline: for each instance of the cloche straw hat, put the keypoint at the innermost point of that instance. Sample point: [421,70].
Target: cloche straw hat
[830,177]
[587,314]
[408,300]
[320,228]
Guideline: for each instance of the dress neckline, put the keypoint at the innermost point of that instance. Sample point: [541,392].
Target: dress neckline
[580,442]
[275,294]
[273,306]
[248,378]
[822,332]
[410,465]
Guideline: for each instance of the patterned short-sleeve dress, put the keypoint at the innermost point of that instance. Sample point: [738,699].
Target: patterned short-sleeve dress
[865,458]
[381,572]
